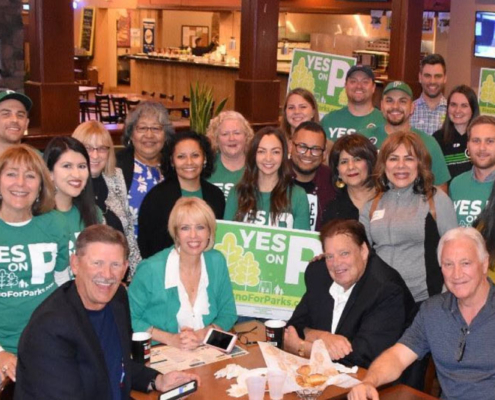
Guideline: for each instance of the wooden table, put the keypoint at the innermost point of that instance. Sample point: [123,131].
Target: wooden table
[170,105]
[212,388]
[87,89]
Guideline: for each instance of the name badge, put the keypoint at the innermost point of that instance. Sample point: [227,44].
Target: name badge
[378,214]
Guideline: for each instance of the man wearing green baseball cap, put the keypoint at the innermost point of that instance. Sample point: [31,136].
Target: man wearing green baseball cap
[397,107]
[14,109]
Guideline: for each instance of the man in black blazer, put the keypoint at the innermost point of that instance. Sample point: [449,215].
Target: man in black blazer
[373,305]
[77,344]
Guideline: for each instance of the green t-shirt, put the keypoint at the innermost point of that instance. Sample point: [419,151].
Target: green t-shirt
[341,122]
[438,165]
[33,262]
[75,225]
[223,178]
[469,196]
[196,193]
[297,218]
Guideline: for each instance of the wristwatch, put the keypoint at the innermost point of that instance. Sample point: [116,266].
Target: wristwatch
[300,351]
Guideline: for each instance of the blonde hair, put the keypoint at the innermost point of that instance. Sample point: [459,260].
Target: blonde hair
[88,130]
[198,210]
[25,155]
[214,128]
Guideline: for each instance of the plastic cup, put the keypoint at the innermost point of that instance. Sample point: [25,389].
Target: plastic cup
[256,387]
[276,380]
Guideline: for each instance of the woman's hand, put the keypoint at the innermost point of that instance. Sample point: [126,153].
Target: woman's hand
[190,339]
[8,364]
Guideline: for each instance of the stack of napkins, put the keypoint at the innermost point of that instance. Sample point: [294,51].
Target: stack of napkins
[233,371]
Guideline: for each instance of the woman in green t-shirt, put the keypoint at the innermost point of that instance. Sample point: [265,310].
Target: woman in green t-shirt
[68,162]
[266,194]
[230,135]
[33,246]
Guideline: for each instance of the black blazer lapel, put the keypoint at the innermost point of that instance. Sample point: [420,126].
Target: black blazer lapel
[356,292]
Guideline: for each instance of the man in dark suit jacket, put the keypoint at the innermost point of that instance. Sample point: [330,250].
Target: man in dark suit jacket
[77,344]
[374,305]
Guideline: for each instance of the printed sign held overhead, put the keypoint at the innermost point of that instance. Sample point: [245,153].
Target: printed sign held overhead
[323,75]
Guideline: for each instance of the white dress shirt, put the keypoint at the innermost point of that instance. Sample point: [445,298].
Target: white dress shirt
[188,315]
[340,297]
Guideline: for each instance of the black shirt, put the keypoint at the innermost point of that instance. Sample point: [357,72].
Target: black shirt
[455,152]
[108,335]
[341,207]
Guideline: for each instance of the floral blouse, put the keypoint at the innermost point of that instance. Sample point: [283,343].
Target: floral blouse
[144,179]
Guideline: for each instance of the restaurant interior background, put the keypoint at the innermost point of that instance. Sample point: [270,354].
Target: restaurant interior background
[322,32]
[332,33]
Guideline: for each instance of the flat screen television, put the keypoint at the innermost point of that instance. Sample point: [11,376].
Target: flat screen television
[484,35]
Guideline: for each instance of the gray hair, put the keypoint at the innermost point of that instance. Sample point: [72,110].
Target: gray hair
[213,130]
[147,109]
[464,233]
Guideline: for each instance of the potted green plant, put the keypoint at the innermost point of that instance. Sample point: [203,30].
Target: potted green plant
[201,107]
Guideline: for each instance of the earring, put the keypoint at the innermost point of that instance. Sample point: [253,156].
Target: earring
[204,164]
[37,199]
[340,183]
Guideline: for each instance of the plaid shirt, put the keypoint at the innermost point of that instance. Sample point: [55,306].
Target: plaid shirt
[426,120]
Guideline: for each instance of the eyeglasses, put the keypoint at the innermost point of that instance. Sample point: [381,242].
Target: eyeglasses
[99,149]
[153,129]
[302,148]
[462,344]
[243,336]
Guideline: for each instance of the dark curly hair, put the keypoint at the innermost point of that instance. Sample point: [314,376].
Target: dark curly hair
[205,145]
[357,146]
[247,189]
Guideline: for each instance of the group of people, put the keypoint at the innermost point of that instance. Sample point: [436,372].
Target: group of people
[386,189]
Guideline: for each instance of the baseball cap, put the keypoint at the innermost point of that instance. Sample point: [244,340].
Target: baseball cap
[363,68]
[10,94]
[398,85]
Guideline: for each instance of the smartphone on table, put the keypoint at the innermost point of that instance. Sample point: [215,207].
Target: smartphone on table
[220,340]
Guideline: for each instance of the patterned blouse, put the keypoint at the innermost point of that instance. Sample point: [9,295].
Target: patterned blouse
[144,179]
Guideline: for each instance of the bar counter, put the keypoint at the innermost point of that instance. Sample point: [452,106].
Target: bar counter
[173,77]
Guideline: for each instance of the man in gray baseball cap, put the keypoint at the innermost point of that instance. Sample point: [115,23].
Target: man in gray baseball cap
[359,114]
[14,110]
